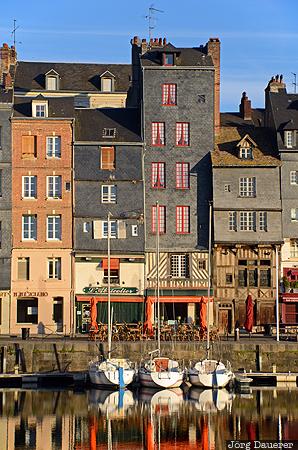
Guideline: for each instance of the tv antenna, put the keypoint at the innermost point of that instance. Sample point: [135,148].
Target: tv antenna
[294,82]
[151,19]
[13,33]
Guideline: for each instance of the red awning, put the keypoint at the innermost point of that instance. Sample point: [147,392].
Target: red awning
[114,263]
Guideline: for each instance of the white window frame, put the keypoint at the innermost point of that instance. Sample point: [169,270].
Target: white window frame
[294,177]
[110,196]
[247,221]
[53,146]
[55,272]
[105,88]
[86,227]
[263,221]
[289,139]
[134,230]
[232,221]
[247,186]
[57,228]
[38,107]
[113,229]
[32,186]
[293,248]
[245,153]
[56,192]
[54,86]
[29,228]
[294,214]
[181,262]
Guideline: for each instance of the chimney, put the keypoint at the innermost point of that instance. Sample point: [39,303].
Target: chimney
[8,58]
[213,50]
[245,107]
[276,84]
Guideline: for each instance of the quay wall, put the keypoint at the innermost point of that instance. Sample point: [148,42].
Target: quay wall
[74,355]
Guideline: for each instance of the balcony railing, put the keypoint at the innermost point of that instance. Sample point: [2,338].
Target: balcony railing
[177,283]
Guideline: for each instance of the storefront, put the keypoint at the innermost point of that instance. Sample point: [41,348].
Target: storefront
[289,308]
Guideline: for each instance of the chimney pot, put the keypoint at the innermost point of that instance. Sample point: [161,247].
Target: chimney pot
[245,107]
[160,41]
[5,45]
[144,41]
[151,41]
[164,41]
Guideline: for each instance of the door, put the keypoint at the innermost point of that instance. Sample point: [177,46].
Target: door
[225,321]
[58,314]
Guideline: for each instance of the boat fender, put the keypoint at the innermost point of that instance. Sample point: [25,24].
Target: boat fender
[151,365]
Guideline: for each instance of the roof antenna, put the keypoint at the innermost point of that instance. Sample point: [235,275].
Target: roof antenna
[294,82]
[13,33]
[151,19]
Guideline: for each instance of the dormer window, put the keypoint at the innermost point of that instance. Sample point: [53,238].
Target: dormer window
[107,82]
[109,132]
[290,138]
[168,59]
[39,108]
[52,80]
[245,153]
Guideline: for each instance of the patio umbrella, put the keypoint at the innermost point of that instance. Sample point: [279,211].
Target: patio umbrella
[149,307]
[249,314]
[93,315]
[203,313]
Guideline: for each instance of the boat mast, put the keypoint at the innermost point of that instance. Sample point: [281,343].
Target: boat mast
[109,289]
[157,276]
[209,278]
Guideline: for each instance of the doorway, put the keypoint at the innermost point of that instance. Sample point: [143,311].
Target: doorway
[58,314]
[225,320]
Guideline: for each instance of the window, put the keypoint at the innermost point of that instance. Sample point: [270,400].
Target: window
[53,147]
[29,227]
[109,132]
[169,94]
[1,172]
[27,310]
[109,193]
[232,221]
[86,227]
[158,134]
[158,175]
[293,248]
[182,219]
[113,229]
[247,187]
[227,188]
[263,221]
[106,84]
[168,59]
[54,268]
[54,186]
[294,177]
[39,109]
[54,228]
[294,214]
[29,186]
[202,264]
[52,83]
[247,221]
[68,186]
[161,219]
[114,276]
[182,176]
[23,268]
[245,153]
[29,148]
[290,139]
[265,277]
[134,230]
[182,134]
[107,158]
[179,266]
[229,278]
[201,98]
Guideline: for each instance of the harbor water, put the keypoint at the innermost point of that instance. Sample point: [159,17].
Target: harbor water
[146,419]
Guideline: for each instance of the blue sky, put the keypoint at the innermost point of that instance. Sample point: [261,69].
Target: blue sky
[259,38]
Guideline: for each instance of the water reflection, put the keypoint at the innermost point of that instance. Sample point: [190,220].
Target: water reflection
[151,420]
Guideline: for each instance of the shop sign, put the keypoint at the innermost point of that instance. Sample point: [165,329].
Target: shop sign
[113,290]
[30,294]
[290,298]
[4,293]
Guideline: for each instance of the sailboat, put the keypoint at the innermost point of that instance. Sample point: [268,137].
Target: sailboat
[210,373]
[159,371]
[111,372]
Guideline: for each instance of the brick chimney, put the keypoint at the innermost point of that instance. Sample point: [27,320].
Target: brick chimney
[213,50]
[276,84]
[245,107]
[8,59]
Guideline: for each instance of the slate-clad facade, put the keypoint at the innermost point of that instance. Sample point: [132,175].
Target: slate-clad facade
[247,218]
[281,113]
[177,101]
[109,180]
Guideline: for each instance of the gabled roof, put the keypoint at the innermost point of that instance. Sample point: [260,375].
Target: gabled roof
[73,77]
[107,73]
[184,56]
[285,115]
[58,107]
[90,124]
[246,138]
[52,72]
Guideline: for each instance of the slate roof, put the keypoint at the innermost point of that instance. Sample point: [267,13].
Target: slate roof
[234,129]
[73,76]
[5,96]
[285,110]
[60,107]
[184,56]
[90,123]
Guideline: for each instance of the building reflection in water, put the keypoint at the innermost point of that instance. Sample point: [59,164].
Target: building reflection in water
[150,420]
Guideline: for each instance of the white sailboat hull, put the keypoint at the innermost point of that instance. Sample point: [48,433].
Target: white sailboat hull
[210,374]
[166,379]
[107,375]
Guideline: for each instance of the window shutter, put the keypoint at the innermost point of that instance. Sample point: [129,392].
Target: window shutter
[23,266]
[121,229]
[97,229]
[294,138]
[29,146]
[107,158]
